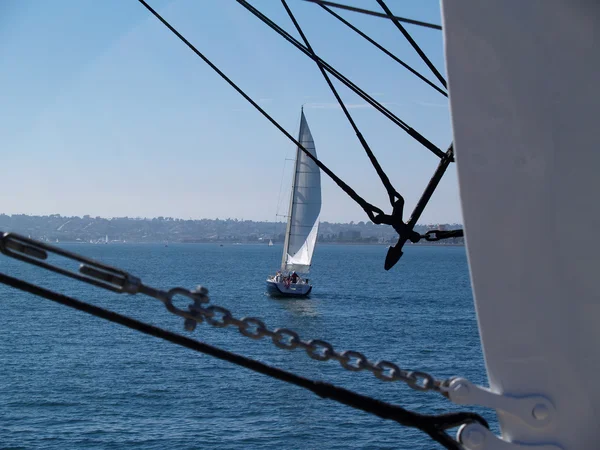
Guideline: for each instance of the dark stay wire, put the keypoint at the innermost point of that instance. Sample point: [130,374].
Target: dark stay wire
[412,42]
[376,14]
[383,49]
[370,209]
[116,280]
[376,215]
[434,426]
[360,92]
[392,193]
[405,230]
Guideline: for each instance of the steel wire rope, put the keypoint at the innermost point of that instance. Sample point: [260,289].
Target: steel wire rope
[369,209]
[433,426]
[413,43]
[375,214]
[383,49]
[392,193]
[360,92]
[375,13]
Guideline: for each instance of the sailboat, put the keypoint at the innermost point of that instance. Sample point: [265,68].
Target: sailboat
[302,223]
[270,243]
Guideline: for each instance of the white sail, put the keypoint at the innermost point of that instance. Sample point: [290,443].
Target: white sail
[305,207]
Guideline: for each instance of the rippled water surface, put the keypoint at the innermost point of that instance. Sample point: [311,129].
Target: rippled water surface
[69,380]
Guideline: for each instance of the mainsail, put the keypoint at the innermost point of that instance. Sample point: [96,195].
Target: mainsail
[305,207]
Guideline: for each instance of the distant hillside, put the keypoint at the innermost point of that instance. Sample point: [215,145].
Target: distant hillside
[160,229]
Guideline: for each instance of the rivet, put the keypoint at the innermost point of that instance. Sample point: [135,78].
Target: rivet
[540,412]
[189,324]
[460,390]
[473,438]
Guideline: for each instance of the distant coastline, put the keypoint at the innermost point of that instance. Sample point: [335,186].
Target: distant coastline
[229,244]
[97,230]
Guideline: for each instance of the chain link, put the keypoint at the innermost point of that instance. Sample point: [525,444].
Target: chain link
[287,339]
[117,280]
[438,235]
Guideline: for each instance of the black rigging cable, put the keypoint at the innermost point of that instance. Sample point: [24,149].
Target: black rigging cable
[406,231]
[434,426]
[370,209]
[361,93]
[413,43]
[392,193]
[376,215]
[383,49]
[376,14]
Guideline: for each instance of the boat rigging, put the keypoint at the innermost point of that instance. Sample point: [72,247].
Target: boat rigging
[119,281]
[535,281]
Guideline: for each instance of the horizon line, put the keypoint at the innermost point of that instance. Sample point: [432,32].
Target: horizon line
[168,218]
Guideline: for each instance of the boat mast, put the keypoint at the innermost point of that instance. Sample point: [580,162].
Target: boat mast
[536,293]
[286,243]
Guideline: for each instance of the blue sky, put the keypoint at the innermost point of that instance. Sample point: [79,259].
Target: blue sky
[104,112]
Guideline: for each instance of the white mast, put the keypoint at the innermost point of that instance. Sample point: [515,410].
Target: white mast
[305,206]
[288,228]
[525,104]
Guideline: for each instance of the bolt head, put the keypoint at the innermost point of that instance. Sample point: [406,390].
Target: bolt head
[473,439]
[540,412]
[189,324]
[460,390]
[200,290]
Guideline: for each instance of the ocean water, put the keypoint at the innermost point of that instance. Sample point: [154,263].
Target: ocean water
[69,380]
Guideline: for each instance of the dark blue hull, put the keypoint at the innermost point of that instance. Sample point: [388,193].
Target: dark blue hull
[294,290]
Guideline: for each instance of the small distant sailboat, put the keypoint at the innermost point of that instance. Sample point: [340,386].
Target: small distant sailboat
[302,224]
[270,243]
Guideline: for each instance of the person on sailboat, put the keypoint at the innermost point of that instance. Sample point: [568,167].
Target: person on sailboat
[294,277]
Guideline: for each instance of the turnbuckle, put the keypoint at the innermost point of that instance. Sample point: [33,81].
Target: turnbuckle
[98,274]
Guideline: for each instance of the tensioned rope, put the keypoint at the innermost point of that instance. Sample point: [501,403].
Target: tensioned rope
[412,42]
[376,215]
[360,92]
[405,230]
[392,193]
[117,280]
[376,14]
[434,426]
[383,49]
[370,209]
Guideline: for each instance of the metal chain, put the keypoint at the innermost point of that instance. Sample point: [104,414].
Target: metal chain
[435,426]
[287,339]
[438,235]
[120,281]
